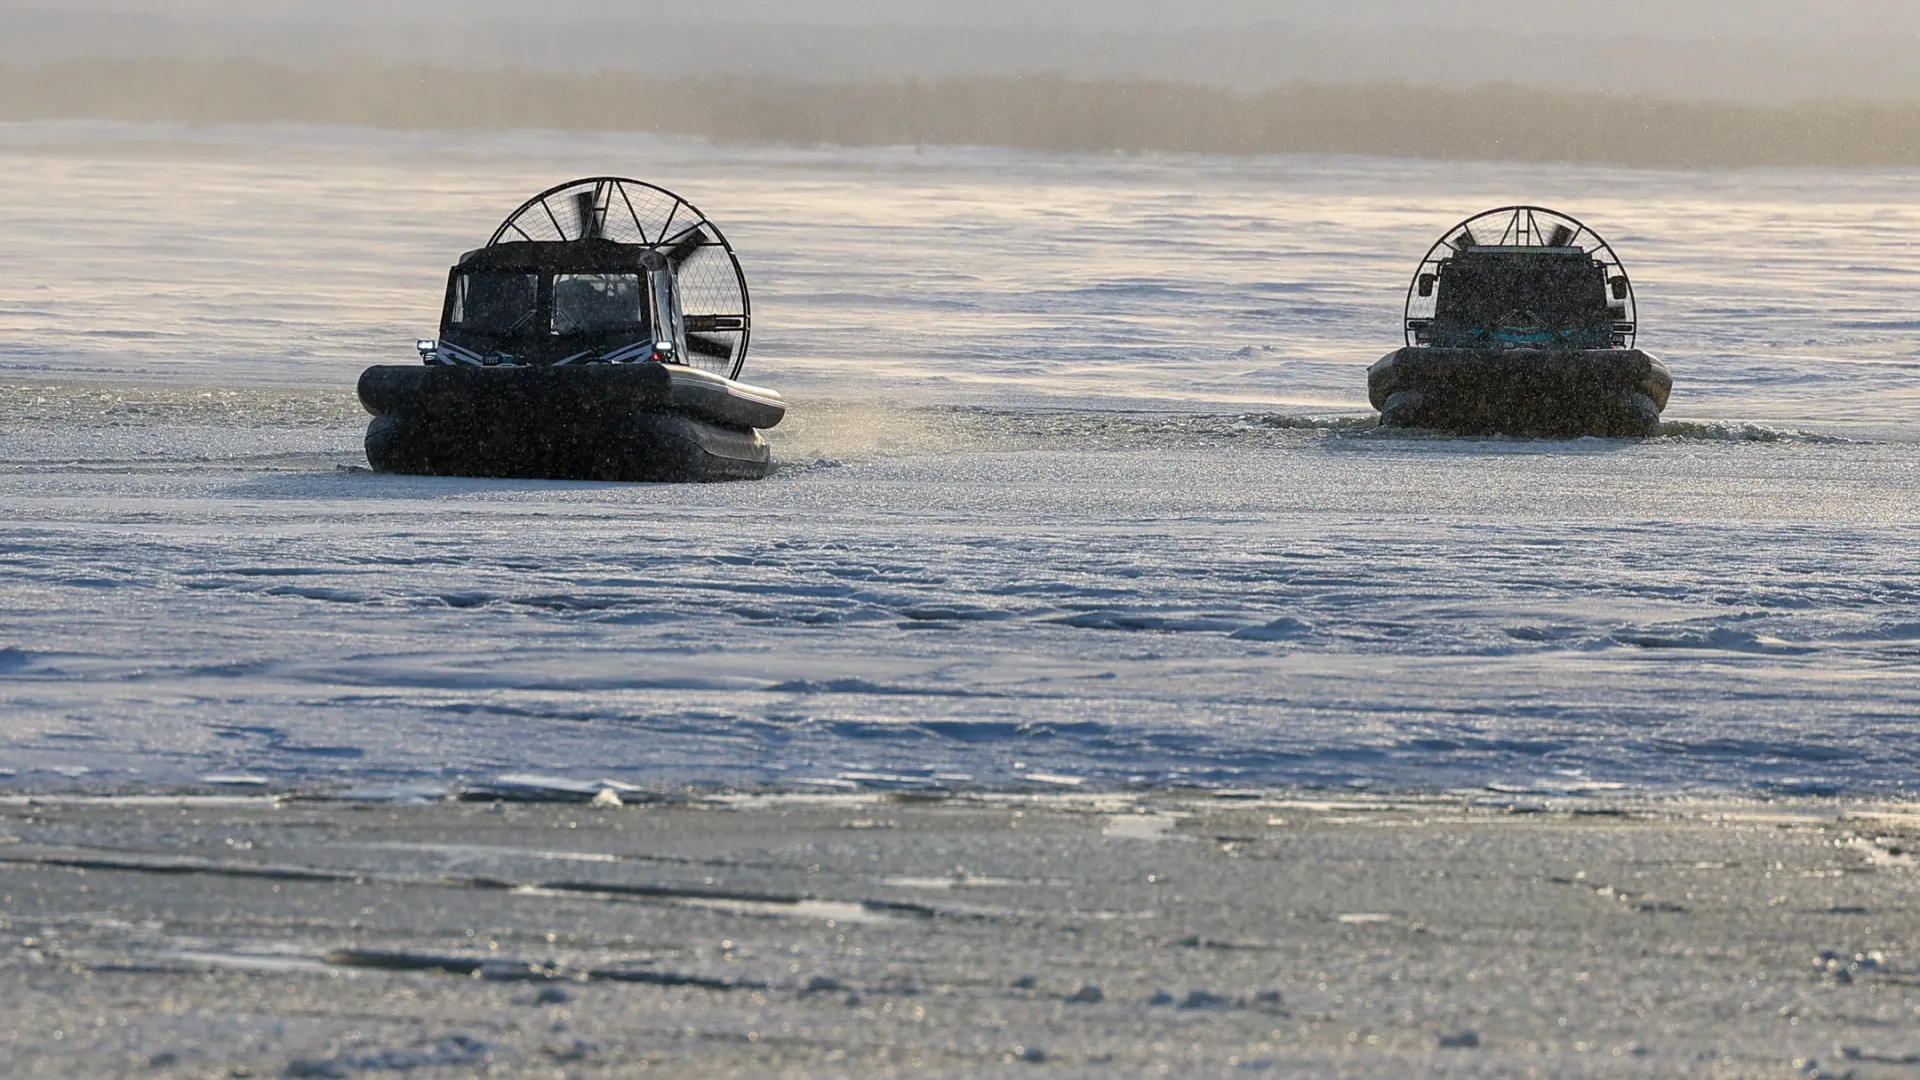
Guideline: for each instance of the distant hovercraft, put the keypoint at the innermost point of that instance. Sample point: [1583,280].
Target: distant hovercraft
[597,336]
[1521,321]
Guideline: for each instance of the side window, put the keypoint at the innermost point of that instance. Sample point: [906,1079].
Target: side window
[598,304]
[496,304]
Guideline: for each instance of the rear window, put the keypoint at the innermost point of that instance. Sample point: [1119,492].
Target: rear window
[496,304]
[598,304]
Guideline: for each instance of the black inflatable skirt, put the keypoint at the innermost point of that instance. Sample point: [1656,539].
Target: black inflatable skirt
[1604,392]
[623,422]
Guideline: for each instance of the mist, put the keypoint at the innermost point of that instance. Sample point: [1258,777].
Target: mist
[1042,112]
[1710,82]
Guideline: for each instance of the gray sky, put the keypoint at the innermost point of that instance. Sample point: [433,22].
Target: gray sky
[1656,18]
[1743,50]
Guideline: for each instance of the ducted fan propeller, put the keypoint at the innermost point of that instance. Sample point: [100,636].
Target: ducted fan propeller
[1515,231]
[713,289]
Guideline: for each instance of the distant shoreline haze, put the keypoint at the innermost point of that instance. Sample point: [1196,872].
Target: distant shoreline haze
[1040,112]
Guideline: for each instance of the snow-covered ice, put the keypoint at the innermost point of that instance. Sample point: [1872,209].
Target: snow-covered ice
[1073,496]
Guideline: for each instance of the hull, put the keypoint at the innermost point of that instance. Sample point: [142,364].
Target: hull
[1602,392]
[622,422]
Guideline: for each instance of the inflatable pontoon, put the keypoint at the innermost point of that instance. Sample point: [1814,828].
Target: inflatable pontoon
[599,335]
[1521,321]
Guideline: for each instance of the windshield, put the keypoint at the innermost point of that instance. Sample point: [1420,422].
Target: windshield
[598,304]
[495,304]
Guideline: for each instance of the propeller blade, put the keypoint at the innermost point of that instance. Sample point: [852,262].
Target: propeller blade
[689,242]
[1560,237]
[1465,240]
[711,347]
[708,323]
[583,208]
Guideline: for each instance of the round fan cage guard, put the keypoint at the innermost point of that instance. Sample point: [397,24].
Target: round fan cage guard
[1524,226]
[713,288]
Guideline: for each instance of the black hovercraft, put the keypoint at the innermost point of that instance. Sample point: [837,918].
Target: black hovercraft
[597,336]
[1521,322]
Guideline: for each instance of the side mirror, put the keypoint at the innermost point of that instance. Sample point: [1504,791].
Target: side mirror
[1426,284]
[1619,287]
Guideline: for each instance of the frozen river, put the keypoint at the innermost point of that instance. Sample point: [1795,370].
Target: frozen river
[1073,495]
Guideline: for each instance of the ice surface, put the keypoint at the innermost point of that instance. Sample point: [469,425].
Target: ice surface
[1075,493]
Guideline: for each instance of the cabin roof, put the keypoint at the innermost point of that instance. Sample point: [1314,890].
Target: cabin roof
[563,255]
[1520,249]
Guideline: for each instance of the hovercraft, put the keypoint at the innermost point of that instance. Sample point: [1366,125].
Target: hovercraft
[1521,321]
[597,336]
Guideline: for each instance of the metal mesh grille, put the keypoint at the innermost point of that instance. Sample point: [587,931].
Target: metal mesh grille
[710,289]
[713,289]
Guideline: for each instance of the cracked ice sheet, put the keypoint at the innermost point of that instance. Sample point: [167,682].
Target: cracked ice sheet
[1293,608]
